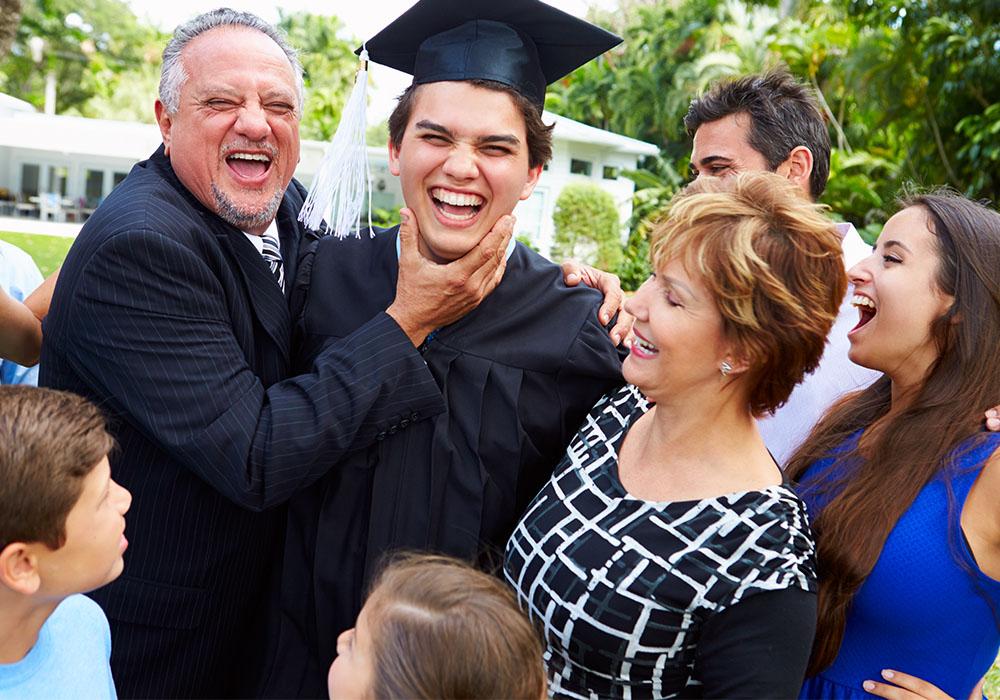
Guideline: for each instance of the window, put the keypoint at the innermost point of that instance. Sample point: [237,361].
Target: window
[93,189]
[610,172]
[118,179]
[29,179]
[580,167]
[58,175]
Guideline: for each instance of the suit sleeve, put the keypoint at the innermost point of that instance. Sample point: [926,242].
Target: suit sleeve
[152,331]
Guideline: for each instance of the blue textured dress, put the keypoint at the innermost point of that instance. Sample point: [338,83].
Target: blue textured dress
[926,608]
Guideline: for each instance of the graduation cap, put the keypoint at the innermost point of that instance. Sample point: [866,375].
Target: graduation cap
[524,44]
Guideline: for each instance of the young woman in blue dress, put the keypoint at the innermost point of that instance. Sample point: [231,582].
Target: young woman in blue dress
[901,479]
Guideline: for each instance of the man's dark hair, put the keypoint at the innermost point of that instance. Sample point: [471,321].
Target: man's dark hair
[783,115]
[539,135]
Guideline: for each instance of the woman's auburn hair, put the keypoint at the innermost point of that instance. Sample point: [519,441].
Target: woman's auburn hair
[872,484]
[773,264]
[442,629]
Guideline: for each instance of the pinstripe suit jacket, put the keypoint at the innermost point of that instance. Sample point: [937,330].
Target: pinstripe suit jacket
[170,320]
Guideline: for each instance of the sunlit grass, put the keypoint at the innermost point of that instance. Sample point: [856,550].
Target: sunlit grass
[48,251]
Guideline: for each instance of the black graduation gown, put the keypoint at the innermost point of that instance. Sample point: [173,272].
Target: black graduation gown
[519,373]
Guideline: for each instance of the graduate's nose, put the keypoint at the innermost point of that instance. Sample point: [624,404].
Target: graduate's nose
[461,164]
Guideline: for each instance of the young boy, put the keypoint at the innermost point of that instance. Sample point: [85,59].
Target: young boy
[62,524]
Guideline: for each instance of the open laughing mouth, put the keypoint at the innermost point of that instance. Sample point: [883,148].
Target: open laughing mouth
[249,165]
[642,347]
[866,308]
[456,206]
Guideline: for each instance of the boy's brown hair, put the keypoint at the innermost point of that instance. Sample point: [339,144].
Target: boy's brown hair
[441,629]
[49,442]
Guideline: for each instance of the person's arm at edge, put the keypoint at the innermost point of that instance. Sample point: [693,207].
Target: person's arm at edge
[20,332]
[38,301]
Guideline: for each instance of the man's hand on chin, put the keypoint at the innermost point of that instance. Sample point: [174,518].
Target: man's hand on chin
[430,295]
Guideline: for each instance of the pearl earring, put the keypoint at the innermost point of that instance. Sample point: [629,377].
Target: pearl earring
[725,368]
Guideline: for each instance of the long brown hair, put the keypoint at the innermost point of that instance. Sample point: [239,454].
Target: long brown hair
[900,452]
[441,629]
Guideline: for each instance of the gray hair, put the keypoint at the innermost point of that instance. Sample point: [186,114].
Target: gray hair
[173,75]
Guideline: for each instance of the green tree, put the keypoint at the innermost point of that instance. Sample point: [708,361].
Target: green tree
[10,17]
[85,45]
[587,226]
[330,66]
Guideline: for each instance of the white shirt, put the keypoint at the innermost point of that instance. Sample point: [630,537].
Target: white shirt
[258,239]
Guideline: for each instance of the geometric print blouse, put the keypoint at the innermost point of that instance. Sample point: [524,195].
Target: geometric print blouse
[621,587]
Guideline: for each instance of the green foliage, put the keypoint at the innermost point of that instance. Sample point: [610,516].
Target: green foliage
[88,46]
[525,241]
[910,90]
[48,251]
[383,218]
[655,185]
[330,65]
[587,226]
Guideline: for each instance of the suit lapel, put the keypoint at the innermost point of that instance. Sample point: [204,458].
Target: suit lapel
[266,300]
[289,233]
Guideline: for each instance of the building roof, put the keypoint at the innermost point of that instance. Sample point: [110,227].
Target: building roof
[570,130]
[78,135]
[9,103]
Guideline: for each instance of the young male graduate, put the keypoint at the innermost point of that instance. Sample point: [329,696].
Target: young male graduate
[518,373]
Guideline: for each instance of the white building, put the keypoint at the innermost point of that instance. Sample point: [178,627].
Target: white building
[62,167]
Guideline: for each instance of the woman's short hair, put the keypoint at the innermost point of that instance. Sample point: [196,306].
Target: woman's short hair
[773,263]
[441,629]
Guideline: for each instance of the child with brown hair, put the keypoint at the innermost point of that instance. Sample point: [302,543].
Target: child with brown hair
[434,627]
[61,534]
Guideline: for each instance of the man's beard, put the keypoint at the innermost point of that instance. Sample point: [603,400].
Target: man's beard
[243,218]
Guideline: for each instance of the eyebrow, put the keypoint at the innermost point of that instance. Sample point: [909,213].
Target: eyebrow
[897,244]
[709,160]
[492,138]
[674,282]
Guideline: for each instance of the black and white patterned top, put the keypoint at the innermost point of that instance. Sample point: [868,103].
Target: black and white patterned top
[624,587]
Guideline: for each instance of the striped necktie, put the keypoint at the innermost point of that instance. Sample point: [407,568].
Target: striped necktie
[272,256]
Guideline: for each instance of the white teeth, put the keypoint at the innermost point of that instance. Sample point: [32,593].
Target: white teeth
[643,345]
[858,300]
[250,156]
[456,199]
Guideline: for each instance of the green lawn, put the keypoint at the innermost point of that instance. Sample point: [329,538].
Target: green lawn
[48,251]
[992,688]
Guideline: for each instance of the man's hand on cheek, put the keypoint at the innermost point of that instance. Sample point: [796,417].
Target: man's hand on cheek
[431,295]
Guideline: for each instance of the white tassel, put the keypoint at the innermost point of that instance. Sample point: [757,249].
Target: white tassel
[338,190]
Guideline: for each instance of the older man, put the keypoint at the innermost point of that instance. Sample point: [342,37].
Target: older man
[171,314]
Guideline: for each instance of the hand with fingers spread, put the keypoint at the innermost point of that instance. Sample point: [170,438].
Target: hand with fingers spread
[430,295]
[903,686]
[610,286]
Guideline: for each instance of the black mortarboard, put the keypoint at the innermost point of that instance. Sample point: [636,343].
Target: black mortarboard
[525,44]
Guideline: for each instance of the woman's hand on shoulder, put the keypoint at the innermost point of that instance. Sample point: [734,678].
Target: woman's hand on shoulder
[897,685]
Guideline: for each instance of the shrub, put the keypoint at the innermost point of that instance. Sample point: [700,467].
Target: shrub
[587,227]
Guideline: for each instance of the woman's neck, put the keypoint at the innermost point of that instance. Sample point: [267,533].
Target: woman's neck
[687,449]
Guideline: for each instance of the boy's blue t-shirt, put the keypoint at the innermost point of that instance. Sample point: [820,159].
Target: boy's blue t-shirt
[70,658]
